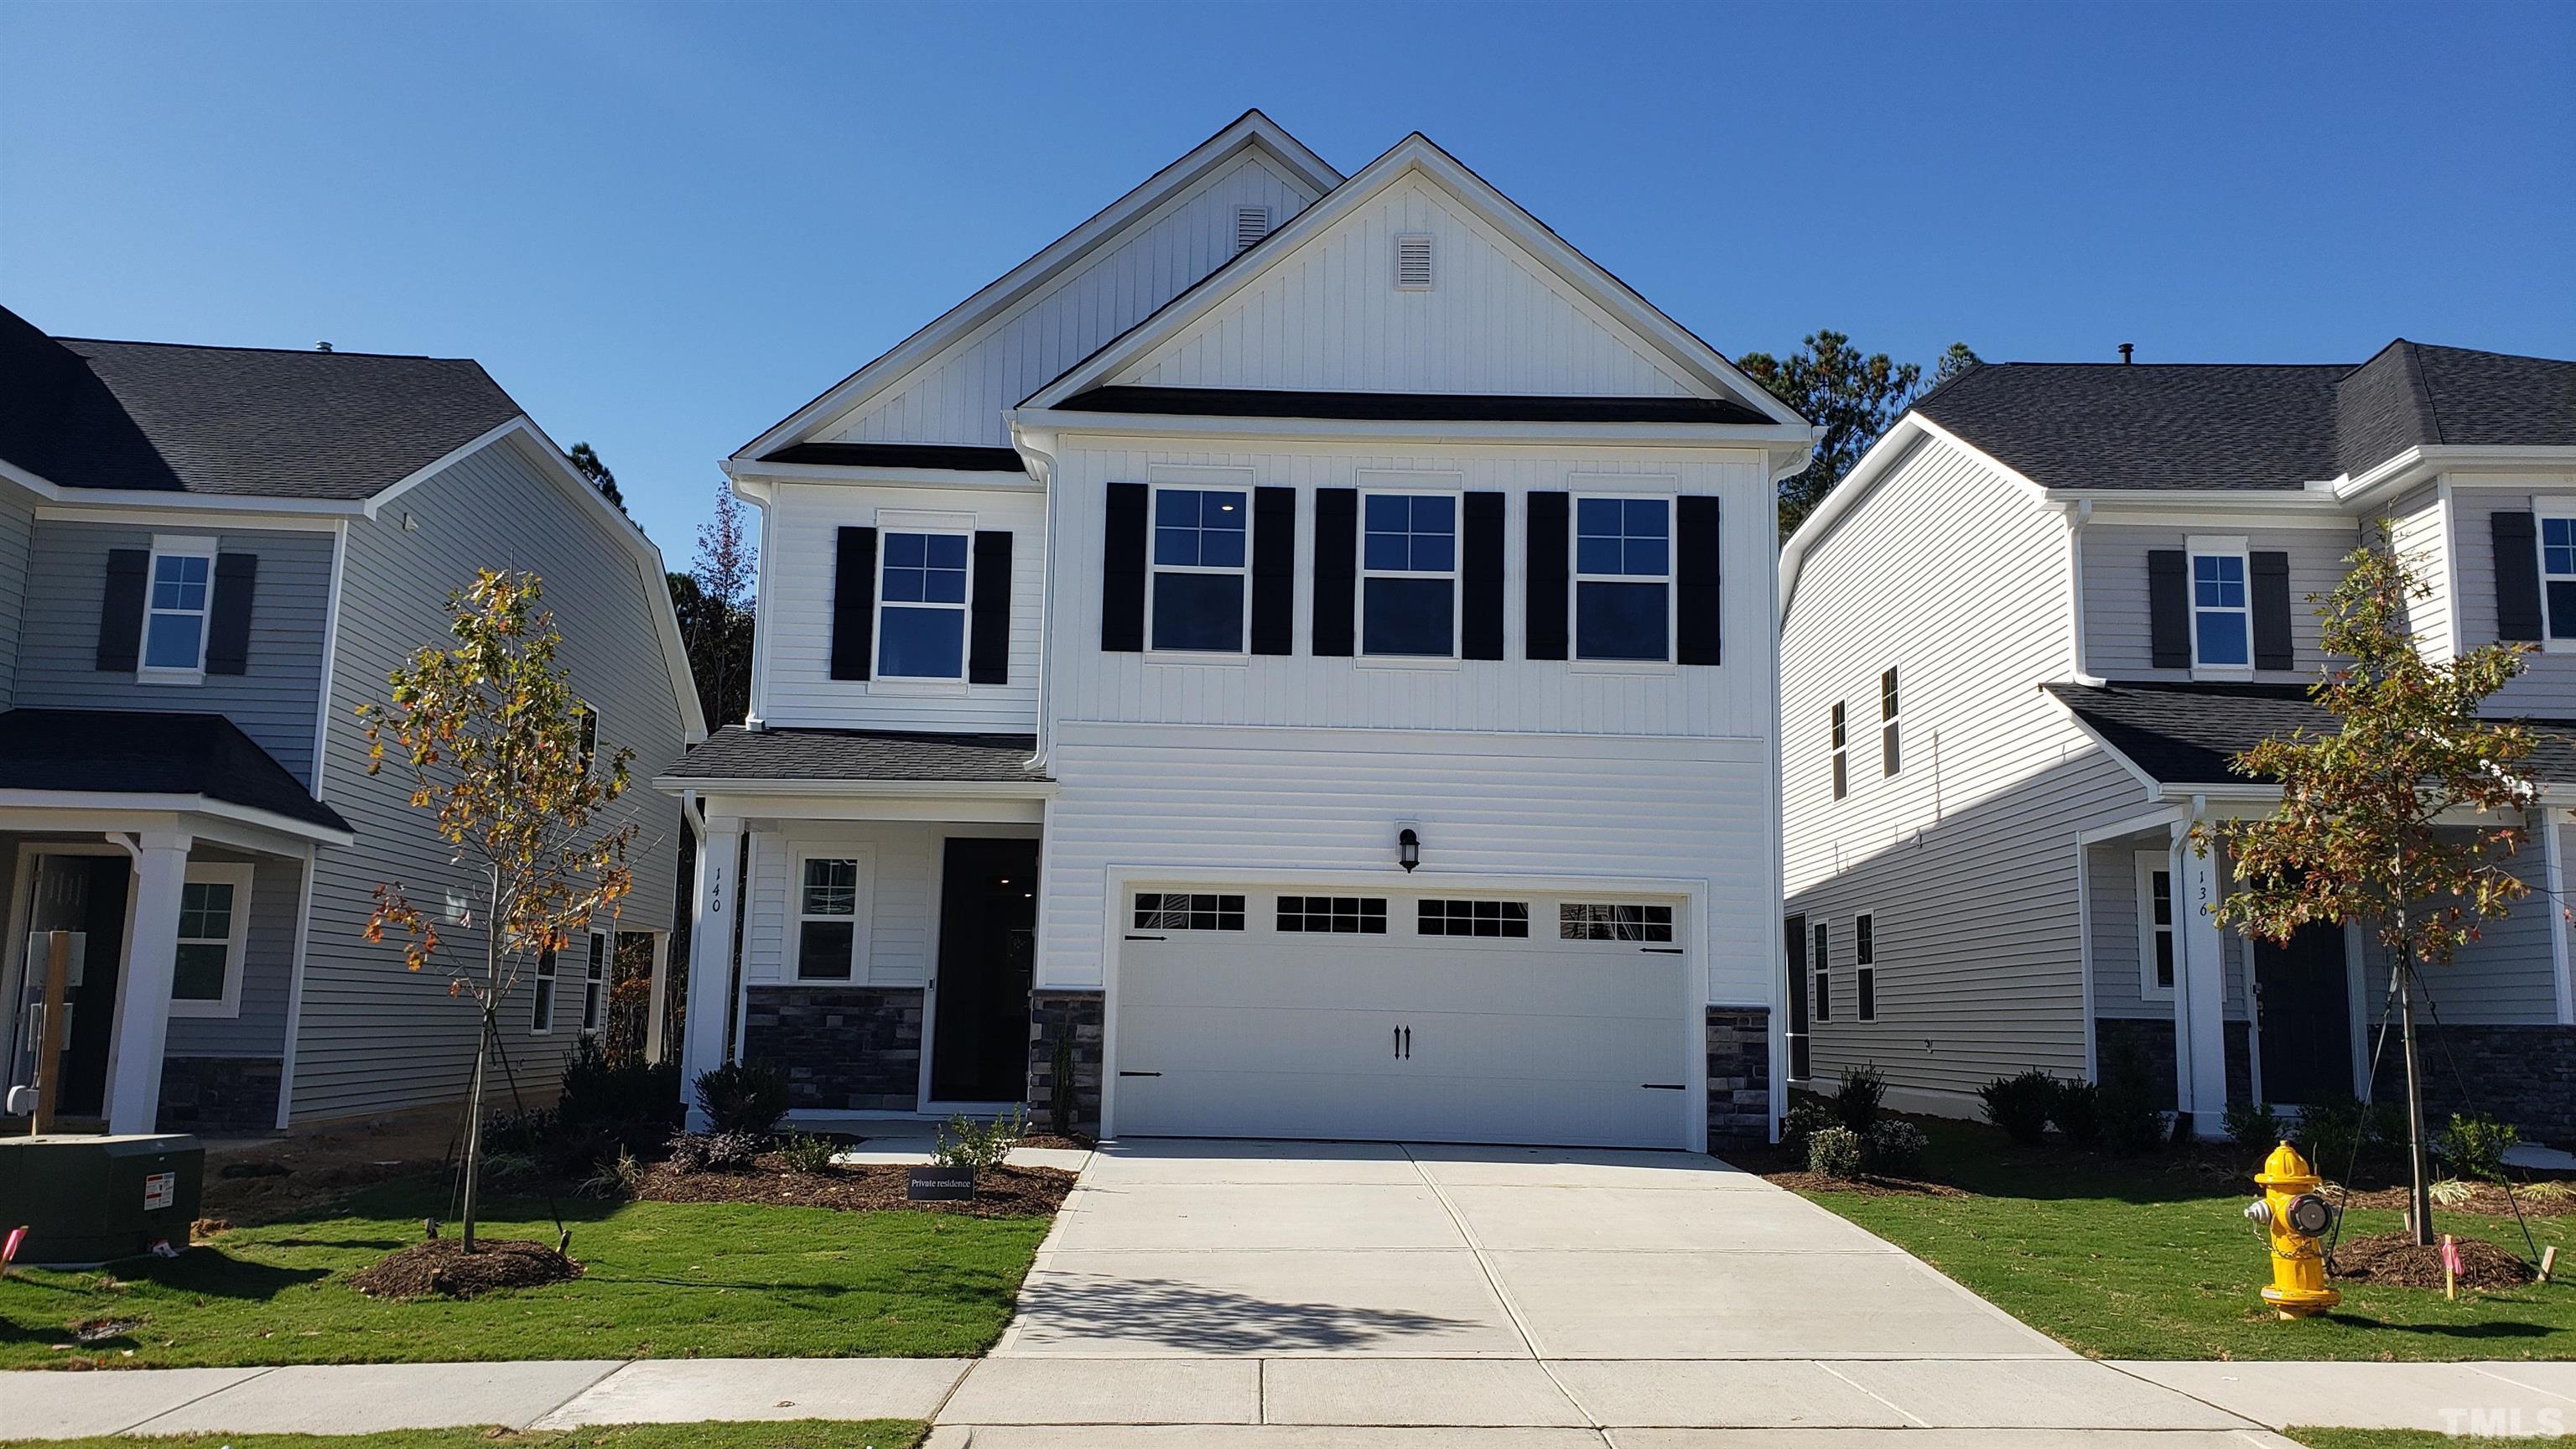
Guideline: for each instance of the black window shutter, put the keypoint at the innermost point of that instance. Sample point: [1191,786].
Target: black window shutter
[1698,571]
[1274,570]
[1122,569]
[1337,547]
[228,618]
[1480,633]
[854,604]
[2517,570]
[120,613]
[988,614]
[2269,573]
[1543,600]
[2168,608]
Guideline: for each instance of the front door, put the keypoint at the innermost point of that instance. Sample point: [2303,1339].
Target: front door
[988,919]
[1794,991]
[2303,1002]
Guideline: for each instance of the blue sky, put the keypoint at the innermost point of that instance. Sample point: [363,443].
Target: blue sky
[664,227]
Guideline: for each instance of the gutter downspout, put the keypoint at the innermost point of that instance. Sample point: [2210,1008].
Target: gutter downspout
[2077,654]
[1037,451]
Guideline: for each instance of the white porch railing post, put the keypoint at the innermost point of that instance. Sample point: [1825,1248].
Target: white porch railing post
[143,997]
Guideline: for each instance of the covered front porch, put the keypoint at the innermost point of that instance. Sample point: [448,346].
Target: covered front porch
[866,917]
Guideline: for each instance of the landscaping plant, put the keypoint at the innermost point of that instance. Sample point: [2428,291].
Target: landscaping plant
[1835,1152]
[492,737]
[2253,1126]
[2020,1105]
[2131,1122]
[2075,1107]
[1893,1147]
[2333,1129]
[1857,1097]
[715,1151]
[747,1097]
[804,1152]
[2354,837]
[979,1145]
[2475,1146]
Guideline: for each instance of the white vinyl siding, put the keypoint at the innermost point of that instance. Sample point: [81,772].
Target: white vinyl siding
[899,906]
[2546,688]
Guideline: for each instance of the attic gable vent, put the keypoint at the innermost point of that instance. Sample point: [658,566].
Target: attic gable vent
[1251,224]
[1413,263]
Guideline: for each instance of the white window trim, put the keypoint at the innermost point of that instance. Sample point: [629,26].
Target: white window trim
[862,914]
[2547,508]
[1820,996]
[548,970]
[923,683]
[1455,574]
[1891,681]
[1865,966]
[175,545]
[2199,546]
[238,876]
[1574,591]
[2150,862]
[1838,749]
[599,963]
[1156,487]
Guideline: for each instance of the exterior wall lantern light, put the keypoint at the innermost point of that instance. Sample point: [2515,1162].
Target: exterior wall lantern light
[1408,849]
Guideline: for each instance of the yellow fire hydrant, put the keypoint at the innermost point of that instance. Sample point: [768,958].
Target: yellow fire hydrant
[2294,1216]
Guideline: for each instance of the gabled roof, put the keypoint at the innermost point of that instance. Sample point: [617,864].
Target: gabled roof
[1252,129]
[2185,734]
[1247,402]
[240,421]
[2414,394]
[733,755]
[150,752]
[1416,154]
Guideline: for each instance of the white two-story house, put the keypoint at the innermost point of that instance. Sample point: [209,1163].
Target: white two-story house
[2021,644]
[1298,651]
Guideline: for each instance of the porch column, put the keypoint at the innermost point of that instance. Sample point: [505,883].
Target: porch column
[143,997]
[702,1036]
[2200,997]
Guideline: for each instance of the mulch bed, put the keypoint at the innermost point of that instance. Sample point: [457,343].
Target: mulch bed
[1867,1185]
[2484,1197]
[442,1266]
[1004,1192]
[2395,1258]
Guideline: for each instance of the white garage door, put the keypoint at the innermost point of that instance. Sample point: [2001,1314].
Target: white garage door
[1459,1017]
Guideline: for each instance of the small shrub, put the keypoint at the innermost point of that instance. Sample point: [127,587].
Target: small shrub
[2253,1126]
[1803,1121]
[2075,1107]
[2551,1194]
[598,1093]
[980,1145]
[2131,1122]
[715,1151]
[507,1166]
[2451,1192]
[2474,1147]
[1893,1147]
[745,1097]
[2019,1105]
[804,1152]
[1856,1100]
[618,1177]
[1835,1152]
[521,1132]
[2331,1131]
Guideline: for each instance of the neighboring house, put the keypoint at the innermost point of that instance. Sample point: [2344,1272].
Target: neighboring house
[1299,648]
[209,557]
[2022,642]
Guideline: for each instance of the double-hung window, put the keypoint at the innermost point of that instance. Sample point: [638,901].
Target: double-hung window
[2155,925]
[1409,574]
[1623,576]
[594,986]
[178,598]
[1822,961]
[1865,968]
[921,610]
[541,1005]
[2222,617]
[1202,549]
[214,924]
[1842,758]
[1890,758]
[828,900]
[2558,573]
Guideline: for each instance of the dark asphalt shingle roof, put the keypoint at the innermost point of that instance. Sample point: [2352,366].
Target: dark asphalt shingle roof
[149,752]
[165,417]
[2224,425]
[2184,734]
[736,753]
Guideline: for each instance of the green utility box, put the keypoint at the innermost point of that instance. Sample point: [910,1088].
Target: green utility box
[91,1200]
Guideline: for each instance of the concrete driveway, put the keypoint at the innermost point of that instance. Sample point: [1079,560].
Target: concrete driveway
[1364,1293]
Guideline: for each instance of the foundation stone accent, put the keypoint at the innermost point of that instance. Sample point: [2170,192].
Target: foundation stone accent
[1065,1015]
[844,1048]
[220,1095]
[1739,1077]
[2525,1075]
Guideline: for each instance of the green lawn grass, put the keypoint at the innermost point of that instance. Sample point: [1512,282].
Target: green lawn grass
[791,1434]
[2389,1439]
[663,1280]
[2149,1258]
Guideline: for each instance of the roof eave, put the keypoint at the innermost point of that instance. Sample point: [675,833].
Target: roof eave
[1040,423]
[856,789]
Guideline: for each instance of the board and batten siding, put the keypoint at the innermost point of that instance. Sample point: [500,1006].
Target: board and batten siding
[273,700]
[958,396]
[2118,637]
[17,535]
[799,561]
[1966,859]
[1329,317]
[376,1037]
[1513,694]
[2546,688]
[1484,805]
[268,964]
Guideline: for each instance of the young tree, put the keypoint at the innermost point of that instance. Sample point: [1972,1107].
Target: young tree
[498,745]
[713,601]
[2402,818]
[1854,396]
[587,460]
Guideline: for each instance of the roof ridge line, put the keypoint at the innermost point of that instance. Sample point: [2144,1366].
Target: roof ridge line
[283,351]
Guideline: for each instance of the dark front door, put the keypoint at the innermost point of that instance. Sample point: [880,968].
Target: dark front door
[98,887]
[1795,931]
[2303,1002]
[988,919]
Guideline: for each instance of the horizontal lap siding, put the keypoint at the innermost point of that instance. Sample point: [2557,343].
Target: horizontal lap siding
[376,1037]
[2546,688]
[268,966]
[901,907]
[1966,859]
[17,532]
[2115,592]
[2424,538]
[800,565]
[959,396]
[1221,807]
[1512,694]
[273,701]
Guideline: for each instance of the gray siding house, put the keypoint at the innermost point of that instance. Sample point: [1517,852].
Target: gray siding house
[209,557]
[2020,645]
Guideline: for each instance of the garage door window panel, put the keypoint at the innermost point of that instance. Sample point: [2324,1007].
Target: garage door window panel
[1332,915]
[1202,554]
[1409,575]
[1183,911]
[1611,921]
[1504,919]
